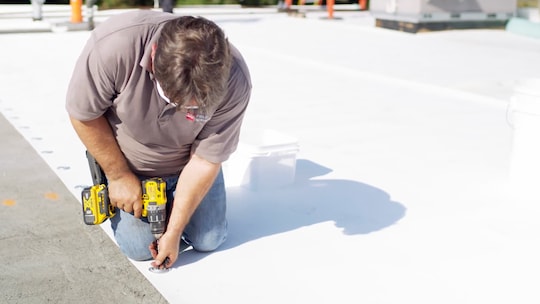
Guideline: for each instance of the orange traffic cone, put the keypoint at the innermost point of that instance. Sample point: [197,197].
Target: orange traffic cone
[76,11]
[363,4]
[288,4]
[330,8]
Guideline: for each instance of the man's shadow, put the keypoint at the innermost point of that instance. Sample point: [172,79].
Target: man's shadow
[354,207]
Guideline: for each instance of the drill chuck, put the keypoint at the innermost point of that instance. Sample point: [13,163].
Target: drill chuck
[157,217]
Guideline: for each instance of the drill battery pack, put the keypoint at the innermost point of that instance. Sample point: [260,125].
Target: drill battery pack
[95,204]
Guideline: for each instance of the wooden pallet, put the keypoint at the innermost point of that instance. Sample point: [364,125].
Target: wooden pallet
[416,27]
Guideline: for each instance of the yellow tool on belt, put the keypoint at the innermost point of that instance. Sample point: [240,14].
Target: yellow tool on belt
[96,205]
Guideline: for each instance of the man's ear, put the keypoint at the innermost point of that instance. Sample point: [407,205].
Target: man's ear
[153,54]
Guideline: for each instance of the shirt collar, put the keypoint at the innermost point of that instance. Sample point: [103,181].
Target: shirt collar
[146,60]
[162,94]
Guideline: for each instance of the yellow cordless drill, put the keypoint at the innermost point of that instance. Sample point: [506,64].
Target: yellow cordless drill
[97,207]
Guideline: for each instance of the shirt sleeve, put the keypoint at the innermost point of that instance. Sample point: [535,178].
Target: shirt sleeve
[219,137]
[91,89]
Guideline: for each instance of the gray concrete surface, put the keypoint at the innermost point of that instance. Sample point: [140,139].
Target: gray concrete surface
[48,255]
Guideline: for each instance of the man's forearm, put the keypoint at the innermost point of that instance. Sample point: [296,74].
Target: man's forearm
[124,187]
[98,138]
[194,182]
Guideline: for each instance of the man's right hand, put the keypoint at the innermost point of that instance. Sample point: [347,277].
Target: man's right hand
[125,193]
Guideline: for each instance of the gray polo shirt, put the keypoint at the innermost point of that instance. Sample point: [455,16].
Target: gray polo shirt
[112,77]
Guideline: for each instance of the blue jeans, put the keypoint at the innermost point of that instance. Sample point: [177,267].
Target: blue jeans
[206,230]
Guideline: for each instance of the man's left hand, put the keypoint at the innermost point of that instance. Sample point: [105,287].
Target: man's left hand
[168,247]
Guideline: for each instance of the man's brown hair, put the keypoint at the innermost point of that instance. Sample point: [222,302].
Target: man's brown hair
[192,61]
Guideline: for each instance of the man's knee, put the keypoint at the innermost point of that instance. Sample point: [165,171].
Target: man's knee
[132,236]
[137,252]
[210,241]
